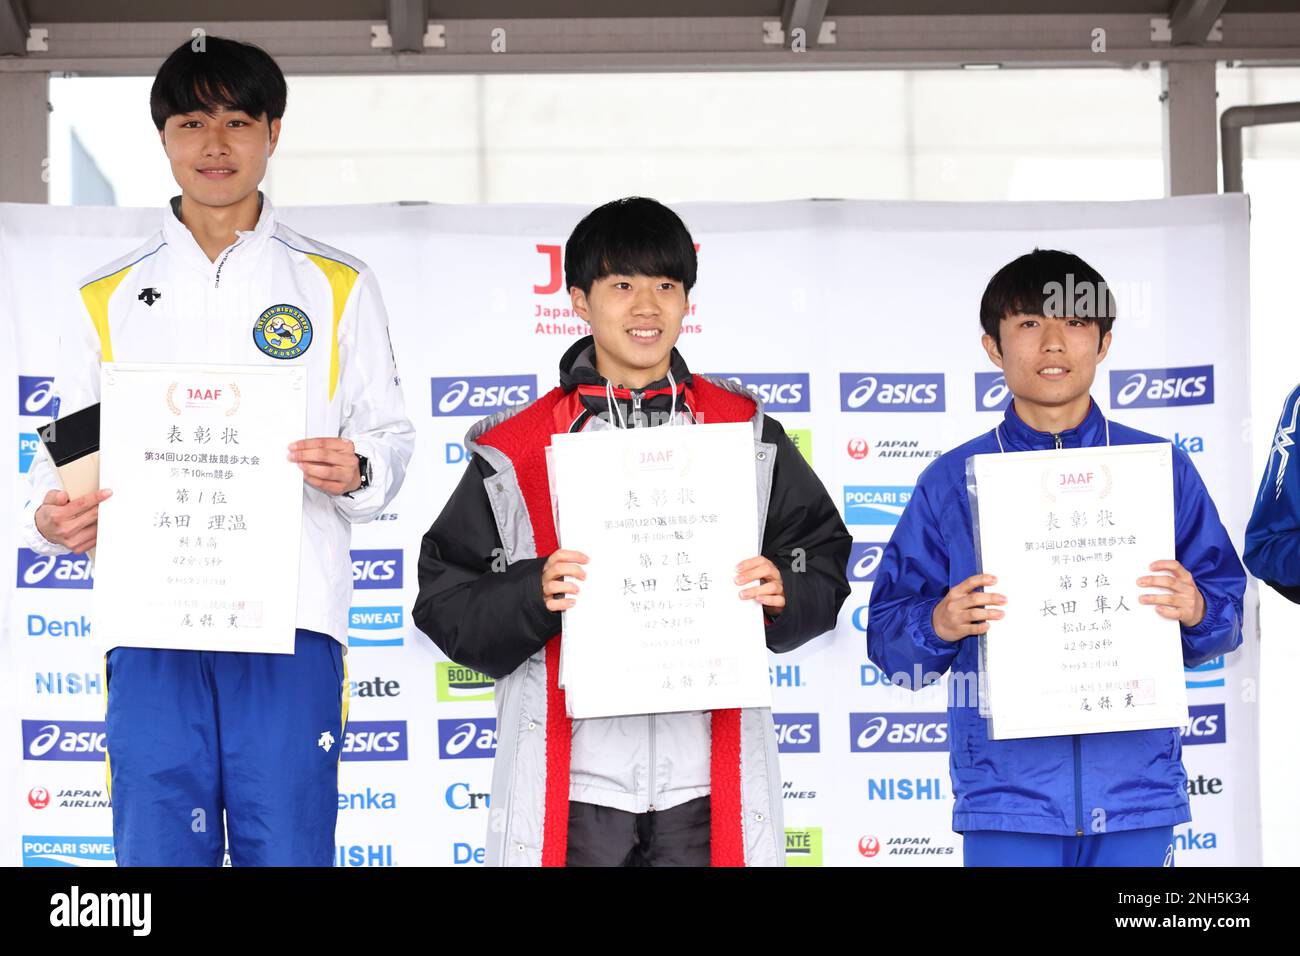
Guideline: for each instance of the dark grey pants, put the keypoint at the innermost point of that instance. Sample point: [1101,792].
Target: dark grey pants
[603,836]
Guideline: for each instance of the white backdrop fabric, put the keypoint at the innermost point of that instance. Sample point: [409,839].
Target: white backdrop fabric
[801,301]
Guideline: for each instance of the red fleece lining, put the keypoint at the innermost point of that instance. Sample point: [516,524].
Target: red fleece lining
[518,439]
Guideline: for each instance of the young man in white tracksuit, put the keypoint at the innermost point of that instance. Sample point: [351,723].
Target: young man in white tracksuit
[192,735]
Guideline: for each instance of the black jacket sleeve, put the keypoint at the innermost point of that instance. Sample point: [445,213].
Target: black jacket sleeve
[480,612]
[806,539]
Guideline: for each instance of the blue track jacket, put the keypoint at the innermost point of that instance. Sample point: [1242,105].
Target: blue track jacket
[1057,785]
[1273,535]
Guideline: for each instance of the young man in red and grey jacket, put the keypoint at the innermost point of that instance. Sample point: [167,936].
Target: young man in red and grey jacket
[695,788]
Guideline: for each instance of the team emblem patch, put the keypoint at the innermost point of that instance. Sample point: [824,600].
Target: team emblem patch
[282,332]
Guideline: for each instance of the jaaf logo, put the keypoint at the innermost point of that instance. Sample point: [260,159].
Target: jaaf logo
[54,570]
[803,846]
[898,732]
[462,739]
[797,733]
[991,392]
[891,392]
[783,391]
[377,568]
[67,851]
[1162,387]
[864,559]
[1206,724]
[36,396]
[63,740]
[875,504]
[282,332]
[375,740]
[457,683]
[481,395]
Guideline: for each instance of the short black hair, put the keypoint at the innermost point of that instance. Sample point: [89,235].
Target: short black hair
[634,236]
[218,74]
[1047,282]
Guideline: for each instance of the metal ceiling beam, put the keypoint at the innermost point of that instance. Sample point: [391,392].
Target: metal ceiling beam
[14,28]
[1237,118]
[407,21]
[1190,21]
[805,15]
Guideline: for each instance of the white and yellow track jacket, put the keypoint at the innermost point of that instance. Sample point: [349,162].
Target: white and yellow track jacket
[166,302]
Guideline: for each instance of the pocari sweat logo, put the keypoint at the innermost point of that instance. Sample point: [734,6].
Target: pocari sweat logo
[375,740]
[891,392]
[462,739]
[53,570]
[36,396]
[28,443]
[897,732]
[875,504]
[1162,387]
[67,851]
[991,392]
[377,568]
[63,740]
[1209,674]
[1206,724]
[797,733]
[481,395]
[864,559]
[382,624]
[784,391]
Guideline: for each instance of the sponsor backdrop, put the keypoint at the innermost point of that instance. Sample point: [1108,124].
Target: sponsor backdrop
[858,325]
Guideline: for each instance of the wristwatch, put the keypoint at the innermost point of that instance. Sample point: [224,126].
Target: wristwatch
[367,473]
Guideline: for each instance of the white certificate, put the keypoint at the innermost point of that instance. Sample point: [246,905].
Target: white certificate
[1067,534]
[198,547]
[664,515]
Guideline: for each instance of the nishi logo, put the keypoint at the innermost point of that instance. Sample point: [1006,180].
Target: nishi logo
[481,394]
[891,392]
[36,396]
[63,740]
[786,391]
[797,733]
[803,846]
[375,619]
[54,570]
[67,851]
[991,392]
[898,732]
[1206,724]
[1162,387]
[1209,674]
[875,504]
[864,559]
[375,740]
[369,854]
[456,683]
[463,739]
[68,682]
[377,568]
[785,675]
[905,788]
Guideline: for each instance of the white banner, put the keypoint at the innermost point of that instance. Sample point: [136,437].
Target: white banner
[802,302]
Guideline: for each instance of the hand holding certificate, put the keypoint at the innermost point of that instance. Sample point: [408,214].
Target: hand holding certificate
[1070,536]
[662,516]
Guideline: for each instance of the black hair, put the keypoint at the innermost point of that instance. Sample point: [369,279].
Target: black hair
[218,73]
[632,236]
[1047,282]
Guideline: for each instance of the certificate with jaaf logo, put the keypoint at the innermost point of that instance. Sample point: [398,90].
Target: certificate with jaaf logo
[198,547]
[1067,534]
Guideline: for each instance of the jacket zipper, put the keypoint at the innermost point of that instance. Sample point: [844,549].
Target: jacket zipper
[1058,440]
[651,798]
[216,282]
[1078,789]
[636,408]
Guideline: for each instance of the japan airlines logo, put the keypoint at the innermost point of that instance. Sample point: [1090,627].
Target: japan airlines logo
[1162,387]
[991,392]
[787,391]
[481,395]
[891,392]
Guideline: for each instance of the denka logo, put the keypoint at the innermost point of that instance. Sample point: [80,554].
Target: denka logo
[1206,724]
[63,740]
[864,559]
[481,394]
[875,504]
[456,682]
[891,392]
[797,733]
[375,740]
[461,739]
[1162,387]
[67,851]
[897,732]
[1209,674]
[36,396]
[787,391]
[377,568]
[991,392]
[53,570]
[375,619]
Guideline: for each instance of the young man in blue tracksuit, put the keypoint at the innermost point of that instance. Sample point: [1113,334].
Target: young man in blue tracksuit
[1108,799]
[1273,534]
